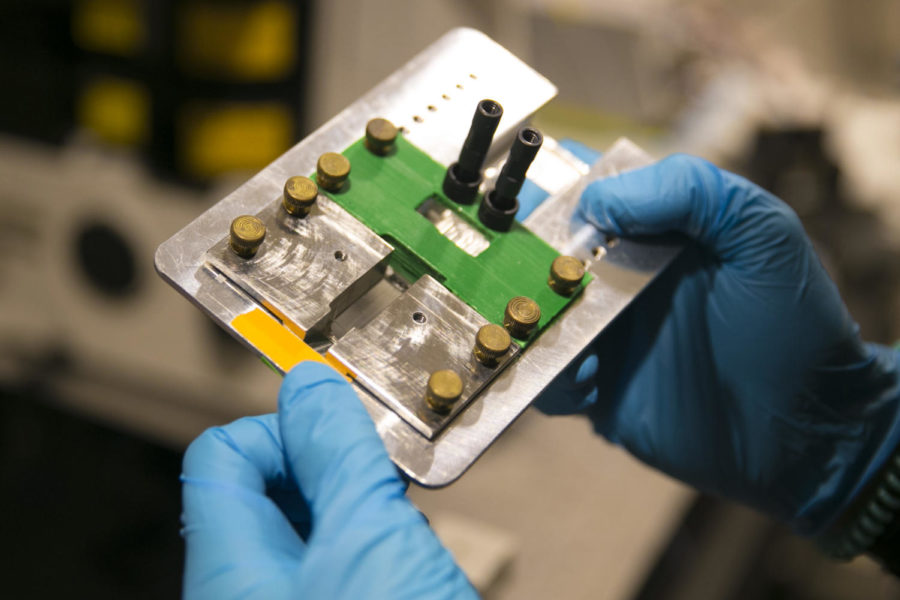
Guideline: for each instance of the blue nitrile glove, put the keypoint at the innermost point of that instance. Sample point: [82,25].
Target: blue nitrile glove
[739,371]
[246,490]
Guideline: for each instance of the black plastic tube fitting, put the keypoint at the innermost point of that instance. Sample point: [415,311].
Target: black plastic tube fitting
[464,176]
[499,206]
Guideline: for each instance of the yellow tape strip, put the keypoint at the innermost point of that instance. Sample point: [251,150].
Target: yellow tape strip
[295,329]
[279,345]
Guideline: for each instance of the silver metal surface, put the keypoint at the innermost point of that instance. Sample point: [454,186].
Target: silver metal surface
[307,269]
[553,220]
[426,329]
[454,227]
[624,271]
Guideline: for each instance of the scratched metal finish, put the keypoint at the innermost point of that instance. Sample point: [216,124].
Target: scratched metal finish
[425,330]
[553,222]
[408,92]
[309,268]
[620,275]
[558,222]
[623,273]
[453,227]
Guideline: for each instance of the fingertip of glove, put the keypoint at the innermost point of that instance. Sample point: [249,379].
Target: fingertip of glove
[208,450]
[652,199]
[689,177]
[600,203]
[680,161]
[306,377]
[200,448]
[581,151]
[217,443]
[315,396]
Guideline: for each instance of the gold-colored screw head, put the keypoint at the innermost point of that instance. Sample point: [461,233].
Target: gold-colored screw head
[444,389]
[300,194]
[491,343]
[566,274]
[332,170]
[246,235]
[521,316]
[380,136]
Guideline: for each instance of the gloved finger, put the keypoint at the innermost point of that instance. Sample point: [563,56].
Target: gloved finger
[574,389]
[332,447]
[228,516]
[279,486]
[530,197]
[722,211]
[584,153]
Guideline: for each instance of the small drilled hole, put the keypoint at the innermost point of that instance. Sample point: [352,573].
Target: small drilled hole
[445,96]
[490,108]
[472,76]
[432,107]
[418,119]
[339,255]
[611,241]
[419,317]
[459,86]
[530,136]
[403,130]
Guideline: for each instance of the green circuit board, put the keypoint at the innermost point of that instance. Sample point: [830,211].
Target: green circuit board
[386,193]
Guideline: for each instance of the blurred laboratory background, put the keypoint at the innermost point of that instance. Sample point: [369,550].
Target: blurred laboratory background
[122,120]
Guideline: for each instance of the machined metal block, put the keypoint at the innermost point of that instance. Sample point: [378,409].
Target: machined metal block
[308,269]
[425,330]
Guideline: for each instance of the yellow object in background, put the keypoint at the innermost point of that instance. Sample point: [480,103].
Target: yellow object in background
[116,110]
[252,41]
[108,26]
[222,137]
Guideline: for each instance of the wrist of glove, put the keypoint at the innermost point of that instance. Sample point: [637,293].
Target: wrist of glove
[871,521]
[739,371]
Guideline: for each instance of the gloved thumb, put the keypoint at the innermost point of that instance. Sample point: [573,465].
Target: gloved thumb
[685,194]
[331,445]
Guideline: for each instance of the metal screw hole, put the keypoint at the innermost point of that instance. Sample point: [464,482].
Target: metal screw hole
[339,255]
[419,317]
[490,108]
[598,252]
[530,136]
[418,119]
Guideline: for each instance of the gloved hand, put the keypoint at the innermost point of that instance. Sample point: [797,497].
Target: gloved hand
[739,370]
[247,487]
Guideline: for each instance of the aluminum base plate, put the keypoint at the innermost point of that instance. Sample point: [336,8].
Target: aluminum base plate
[465,66]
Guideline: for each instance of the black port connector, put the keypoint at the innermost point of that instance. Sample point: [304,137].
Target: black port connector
[499,206]
[464,176]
